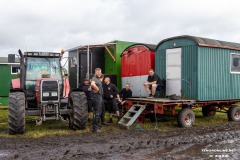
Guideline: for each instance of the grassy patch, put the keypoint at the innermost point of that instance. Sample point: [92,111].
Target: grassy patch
[51,128]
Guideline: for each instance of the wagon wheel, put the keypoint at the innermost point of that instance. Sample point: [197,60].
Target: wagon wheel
[141,119]
[234,113]
[209,110]
[186,117]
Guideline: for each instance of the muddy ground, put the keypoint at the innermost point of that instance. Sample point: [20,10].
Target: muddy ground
[221,142]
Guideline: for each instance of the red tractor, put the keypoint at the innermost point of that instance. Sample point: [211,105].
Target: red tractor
[43,90]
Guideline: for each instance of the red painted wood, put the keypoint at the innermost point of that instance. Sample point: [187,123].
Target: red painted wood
[137,61]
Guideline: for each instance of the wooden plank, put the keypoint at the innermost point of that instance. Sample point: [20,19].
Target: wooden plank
[160,100]
[109,52]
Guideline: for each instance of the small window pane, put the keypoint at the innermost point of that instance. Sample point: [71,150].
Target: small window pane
[15,69]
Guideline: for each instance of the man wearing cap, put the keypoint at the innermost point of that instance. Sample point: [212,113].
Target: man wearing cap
[86,88]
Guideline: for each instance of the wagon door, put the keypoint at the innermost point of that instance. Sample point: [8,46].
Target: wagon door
[173,71]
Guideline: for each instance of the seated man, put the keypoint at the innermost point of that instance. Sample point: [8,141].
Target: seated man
[123,95]
[153,83]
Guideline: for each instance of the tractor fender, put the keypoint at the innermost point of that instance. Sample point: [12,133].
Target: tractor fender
[15,86]
[15,83]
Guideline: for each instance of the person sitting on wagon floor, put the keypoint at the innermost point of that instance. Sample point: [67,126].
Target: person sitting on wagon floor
[153,83]
[110,93]
[123,95]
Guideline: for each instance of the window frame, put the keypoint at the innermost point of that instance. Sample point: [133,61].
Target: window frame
[12,68]
[231,58]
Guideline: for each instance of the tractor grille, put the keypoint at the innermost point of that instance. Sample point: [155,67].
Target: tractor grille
[50,90]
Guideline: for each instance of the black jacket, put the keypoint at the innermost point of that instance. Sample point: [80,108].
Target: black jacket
[108,90]
[153,78]
[124,94]
[84,88]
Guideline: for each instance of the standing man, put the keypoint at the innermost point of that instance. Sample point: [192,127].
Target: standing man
[86,87]
[96,85]
[110,93]
[102,117]
[153,83]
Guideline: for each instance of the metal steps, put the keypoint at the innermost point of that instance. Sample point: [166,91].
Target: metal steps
[132,114]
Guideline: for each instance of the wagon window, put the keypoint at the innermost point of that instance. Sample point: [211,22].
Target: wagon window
[15,69]
[235,63]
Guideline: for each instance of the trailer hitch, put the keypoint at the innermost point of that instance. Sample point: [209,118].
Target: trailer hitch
[66,121]
[39,121]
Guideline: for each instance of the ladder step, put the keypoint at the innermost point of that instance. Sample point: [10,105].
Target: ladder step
[132,117]
[127,117]
[121,123]
[132,111]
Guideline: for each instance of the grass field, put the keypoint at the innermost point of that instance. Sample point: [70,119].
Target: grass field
[50,128]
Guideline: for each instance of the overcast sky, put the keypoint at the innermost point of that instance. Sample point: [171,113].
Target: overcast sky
[50,25]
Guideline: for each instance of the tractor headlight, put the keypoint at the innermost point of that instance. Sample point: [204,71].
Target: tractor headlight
[54,94]
[45,94]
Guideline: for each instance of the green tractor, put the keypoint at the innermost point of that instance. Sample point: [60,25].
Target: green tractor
[43,90]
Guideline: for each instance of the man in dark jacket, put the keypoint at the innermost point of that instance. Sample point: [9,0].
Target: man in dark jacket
[153,83]
[86,88]
[124,94]
[110,93]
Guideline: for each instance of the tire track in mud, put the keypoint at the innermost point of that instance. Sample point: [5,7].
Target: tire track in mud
[176,144]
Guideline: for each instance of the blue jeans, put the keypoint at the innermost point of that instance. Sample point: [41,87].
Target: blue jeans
[97,110]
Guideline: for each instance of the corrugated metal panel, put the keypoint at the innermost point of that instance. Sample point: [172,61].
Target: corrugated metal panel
[160,63]
[215,80]
[189,72]
[5,79]
[189,69]
[112,67]
[205,70]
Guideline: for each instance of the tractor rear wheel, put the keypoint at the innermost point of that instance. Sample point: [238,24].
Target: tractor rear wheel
[16,113]
[186,118]
[234,113]
[79,115]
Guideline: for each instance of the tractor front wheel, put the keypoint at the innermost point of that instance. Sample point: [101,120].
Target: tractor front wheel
[79,115]
[16,113]
[186,118]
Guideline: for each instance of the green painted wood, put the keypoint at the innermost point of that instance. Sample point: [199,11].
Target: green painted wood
[114,67]
[5,79]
